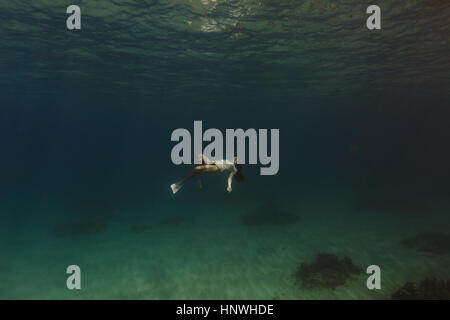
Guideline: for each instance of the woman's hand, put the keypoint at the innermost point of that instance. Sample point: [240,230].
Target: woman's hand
[229,188]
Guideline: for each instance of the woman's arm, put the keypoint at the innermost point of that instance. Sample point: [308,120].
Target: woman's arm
[230,179]
[204,159]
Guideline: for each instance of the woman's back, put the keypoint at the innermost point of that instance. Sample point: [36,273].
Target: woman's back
[225,165]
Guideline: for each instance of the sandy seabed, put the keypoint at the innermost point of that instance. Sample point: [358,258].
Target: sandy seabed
[212,255]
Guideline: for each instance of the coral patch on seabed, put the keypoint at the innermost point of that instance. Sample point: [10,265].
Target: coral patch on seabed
[428,289]
[268,214]
[437,243]
[327,271]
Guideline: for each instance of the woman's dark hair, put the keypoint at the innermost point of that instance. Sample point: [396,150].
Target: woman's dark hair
[238,175]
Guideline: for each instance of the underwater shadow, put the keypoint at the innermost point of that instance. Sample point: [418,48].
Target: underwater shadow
[89,226]
[167,222]
[268,214]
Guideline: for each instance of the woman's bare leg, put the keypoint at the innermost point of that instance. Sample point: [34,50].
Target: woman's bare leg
[208,168]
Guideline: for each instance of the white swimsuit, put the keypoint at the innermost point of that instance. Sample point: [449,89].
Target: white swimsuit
[225,165]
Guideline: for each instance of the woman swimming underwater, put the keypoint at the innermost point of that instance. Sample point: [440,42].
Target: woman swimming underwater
[208,166]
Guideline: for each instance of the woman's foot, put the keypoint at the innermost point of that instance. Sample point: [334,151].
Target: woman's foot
[175,187]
